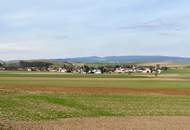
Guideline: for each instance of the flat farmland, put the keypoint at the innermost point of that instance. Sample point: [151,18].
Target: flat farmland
[37,100]
[109,86]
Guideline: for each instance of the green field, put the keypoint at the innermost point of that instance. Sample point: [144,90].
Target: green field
[63,75]
[180,71]
[22,98]
[113,83]
[41,106]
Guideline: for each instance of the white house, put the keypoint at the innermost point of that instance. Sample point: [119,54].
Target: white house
[119,70]
[147,70]
[98,72]
[62,70]
[29,69]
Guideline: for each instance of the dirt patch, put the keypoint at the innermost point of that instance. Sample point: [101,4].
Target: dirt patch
[109,123]
[5,124]
[102,90]
[161,78]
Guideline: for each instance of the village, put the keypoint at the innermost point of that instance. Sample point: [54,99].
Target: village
[107,69]
[81,69]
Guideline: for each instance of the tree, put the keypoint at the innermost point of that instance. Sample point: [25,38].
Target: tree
[86,68]
[102,69]
[156,73]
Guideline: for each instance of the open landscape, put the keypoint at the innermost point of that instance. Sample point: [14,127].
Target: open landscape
[94,65]
[44,100]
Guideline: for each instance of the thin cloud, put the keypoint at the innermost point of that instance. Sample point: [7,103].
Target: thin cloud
[155,25]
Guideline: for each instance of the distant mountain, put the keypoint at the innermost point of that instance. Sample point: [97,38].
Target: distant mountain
[125,59]
[115,59]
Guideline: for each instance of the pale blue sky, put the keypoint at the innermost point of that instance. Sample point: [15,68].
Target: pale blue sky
[31,29]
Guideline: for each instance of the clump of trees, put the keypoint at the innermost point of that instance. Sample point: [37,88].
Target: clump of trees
[38,64]
[22,65]
[86,68]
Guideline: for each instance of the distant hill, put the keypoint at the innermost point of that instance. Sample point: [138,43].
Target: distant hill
[126,59]
[116,59]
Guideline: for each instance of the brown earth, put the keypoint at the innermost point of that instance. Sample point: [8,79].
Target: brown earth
[104,90]
[100,90]
[108,123]
[161,78]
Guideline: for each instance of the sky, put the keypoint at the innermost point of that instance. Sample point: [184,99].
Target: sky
[45,29]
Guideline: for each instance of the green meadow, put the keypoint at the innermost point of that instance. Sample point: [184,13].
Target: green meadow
[51,106]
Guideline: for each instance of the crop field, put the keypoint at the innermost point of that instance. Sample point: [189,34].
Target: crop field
[31,100]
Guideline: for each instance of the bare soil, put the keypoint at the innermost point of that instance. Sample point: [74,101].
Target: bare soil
[160,78]
[107,123]
[101,90]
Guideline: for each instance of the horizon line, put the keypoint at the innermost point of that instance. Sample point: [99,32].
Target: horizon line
[98,57]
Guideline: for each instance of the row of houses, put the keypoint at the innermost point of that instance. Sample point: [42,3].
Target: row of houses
[76,70]
[138,70]
[101,70]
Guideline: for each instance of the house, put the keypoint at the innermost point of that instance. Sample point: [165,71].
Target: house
[97,71]
[81,71]
[2,68]
[52,69]
[29,69]
[159,71]
[129,70]
[119,70]
[147,70]
[62,70]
